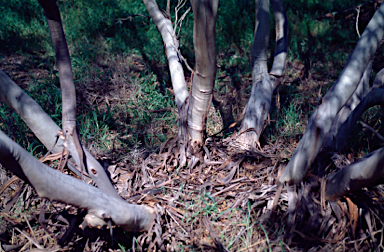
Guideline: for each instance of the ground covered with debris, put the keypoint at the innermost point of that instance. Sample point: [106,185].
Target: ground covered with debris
[228,200]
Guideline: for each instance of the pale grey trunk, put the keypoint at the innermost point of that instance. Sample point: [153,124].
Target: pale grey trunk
[338,132]
[68,92]
[263,83]
[180,89]
[281,23]
[366,172]
[55,185]
[205,13]
[321,120]
[171,44]
[46,129]
[373,98]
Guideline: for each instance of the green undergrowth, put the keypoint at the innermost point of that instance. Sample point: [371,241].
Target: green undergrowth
[121,73]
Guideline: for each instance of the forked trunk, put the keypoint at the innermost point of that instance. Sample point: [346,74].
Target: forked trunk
[323,117]
[367,171]
[264,83]
[337,135]
[54,185]
[46,129]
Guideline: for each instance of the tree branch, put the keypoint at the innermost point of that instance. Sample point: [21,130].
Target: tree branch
[54,185]
[46,129]
[322,118]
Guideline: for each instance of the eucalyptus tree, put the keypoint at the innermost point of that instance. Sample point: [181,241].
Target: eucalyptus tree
[264,83]
[193,107]
[332,121]
[103,203]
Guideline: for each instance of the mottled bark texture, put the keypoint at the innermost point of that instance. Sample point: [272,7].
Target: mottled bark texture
[204,39]
[264,83]
[54,185]
[324,115]
[342,124]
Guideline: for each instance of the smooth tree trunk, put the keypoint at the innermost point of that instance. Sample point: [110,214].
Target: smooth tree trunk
[366,172]
[264,83]
[171,45]
[68,92]
[204,40]
[323,117]
[337,136]
[281,46]
[46,129]
[54,185]
[172,50]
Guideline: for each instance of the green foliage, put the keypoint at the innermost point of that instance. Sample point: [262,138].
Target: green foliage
[22,26]
[12,125]
[315,38]
[291,121]
[142,110]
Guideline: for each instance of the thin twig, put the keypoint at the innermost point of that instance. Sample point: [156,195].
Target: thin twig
[357,20]
[173,218]
[8,183]
[120,20]
[29,225]
[30,239]
[372,130]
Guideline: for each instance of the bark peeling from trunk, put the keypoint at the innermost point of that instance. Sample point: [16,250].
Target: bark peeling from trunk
[204,40]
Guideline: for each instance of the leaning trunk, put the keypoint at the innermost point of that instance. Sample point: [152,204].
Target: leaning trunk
[171,44]
[46,129]
[366,172]
[338,133]
[54,185]
[68,93]
[323,117]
